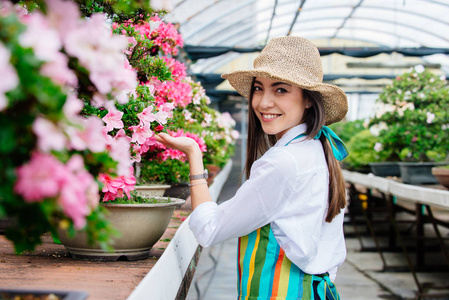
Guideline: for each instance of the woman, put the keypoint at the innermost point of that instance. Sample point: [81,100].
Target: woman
[288,214]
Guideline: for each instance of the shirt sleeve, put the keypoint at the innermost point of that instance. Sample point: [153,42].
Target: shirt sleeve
[258,202]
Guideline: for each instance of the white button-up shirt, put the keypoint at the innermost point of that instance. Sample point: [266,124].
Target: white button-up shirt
[288,188]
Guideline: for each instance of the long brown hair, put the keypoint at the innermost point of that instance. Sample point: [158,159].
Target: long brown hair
[259,142]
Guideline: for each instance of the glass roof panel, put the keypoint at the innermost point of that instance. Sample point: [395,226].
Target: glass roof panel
[343,23]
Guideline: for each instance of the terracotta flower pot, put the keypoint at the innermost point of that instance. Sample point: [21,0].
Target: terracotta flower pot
[213,170]
[442,175]
[140,225]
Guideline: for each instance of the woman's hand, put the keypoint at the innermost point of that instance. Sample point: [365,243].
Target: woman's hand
[184,144]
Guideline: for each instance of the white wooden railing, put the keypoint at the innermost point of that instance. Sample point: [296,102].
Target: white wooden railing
[163,281]
[406,192]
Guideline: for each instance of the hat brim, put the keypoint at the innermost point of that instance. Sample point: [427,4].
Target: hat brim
[334,99]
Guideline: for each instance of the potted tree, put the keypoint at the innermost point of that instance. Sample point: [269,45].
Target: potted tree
[75,117]
[141,219]
[412,126]
[51,156]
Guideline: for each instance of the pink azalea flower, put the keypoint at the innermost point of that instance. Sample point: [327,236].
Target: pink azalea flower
[90,137]
[168,107]
[122,133]
[77,195]
[59,72]
[72,107]
[9,76]
[49,136]
[117,187]
[74,204]
[102,55]
[177,68]
[196,99]
[40,178]
[235,134]
[225,120]
[140,134]
[136,155]
[119,151]
[165,35]
[146,116]
[177,92]
[161,117]
[113,119]
[63,15]
[172,154]
[41,37]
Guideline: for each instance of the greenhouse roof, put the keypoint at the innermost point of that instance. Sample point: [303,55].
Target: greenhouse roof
[229,28]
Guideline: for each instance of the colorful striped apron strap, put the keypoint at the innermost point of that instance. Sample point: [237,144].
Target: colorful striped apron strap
[325,287]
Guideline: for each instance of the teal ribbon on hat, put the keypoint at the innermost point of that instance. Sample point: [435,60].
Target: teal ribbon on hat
[338,147]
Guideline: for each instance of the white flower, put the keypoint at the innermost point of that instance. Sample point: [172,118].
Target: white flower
[187,115]
[207,118]
[445,126]
[376,129]
[419,68]
[366,123]
[442,77]
[409,106]
[378,147]
[430,117]
[162,5]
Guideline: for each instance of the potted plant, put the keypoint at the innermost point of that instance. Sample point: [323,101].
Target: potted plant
[413,129]
[140,221]
[147,112]
[360,144]
[215,128]
[361,152]
[85,111]
[51,156]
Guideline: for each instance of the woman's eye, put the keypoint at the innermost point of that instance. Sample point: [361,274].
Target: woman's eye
[281,90]
[257,88]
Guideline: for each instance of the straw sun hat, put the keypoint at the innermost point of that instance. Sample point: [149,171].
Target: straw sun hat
[294,60]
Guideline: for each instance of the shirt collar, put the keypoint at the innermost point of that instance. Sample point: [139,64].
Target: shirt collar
[291,134]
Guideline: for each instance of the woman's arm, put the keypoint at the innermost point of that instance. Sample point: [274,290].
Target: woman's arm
[199,192]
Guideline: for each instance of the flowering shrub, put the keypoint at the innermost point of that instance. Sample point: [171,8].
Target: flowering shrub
[217,129]
[51,155]
[412,123]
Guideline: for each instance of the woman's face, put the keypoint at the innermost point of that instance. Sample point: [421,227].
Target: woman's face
[278,105]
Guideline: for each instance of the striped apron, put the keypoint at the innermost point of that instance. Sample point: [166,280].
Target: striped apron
[265,273]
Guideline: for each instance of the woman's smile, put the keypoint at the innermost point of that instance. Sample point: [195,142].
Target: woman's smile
[269,117]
